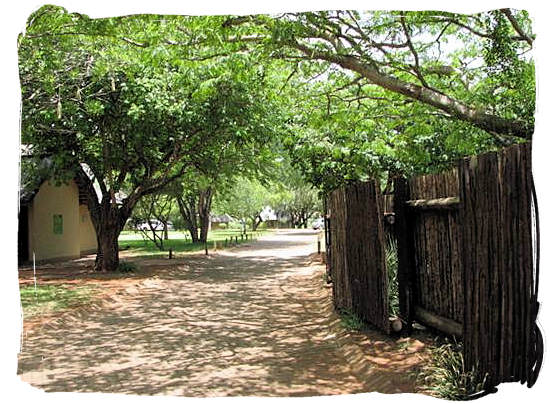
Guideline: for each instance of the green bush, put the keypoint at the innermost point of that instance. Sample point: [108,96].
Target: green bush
[393,286]
[126,267]
[235,225]
[446,375]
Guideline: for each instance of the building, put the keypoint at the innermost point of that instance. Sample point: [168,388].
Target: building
[274,219]
[220,221]
[54,221]
[268,214]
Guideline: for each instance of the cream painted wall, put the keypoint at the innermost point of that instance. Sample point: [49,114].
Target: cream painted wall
[88,241]
[49,201]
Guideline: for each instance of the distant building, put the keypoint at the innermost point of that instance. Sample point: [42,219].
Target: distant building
[268,214]
[220,221]
[273,219]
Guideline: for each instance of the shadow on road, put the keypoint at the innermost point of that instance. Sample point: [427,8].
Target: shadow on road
[239,323]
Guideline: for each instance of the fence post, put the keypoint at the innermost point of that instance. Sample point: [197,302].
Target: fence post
[405,252]
[326,216]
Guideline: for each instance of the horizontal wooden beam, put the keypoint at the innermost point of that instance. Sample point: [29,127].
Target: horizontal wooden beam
[437,203]
[443,324]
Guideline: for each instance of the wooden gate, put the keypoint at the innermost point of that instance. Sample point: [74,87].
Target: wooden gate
[467,260]
[428,239]
[501,337]
[356,256]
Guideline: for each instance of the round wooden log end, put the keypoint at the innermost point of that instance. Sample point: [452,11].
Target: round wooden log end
[396,325]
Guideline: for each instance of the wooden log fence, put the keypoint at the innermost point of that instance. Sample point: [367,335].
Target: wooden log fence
[405,253]
[500,304]
[357,255]
[432,216]
[467,245]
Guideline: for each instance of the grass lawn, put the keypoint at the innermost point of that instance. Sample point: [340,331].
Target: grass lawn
[180,241]
[51,298]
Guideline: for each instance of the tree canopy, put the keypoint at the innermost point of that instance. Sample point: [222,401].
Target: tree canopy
[138,104]
[473,68]
[386,93]
[127,118]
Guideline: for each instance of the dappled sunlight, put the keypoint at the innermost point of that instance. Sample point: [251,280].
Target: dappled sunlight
[232,323]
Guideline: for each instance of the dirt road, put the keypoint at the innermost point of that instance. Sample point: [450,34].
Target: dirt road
[254,320]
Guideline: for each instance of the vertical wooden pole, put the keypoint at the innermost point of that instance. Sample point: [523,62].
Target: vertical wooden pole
[482,231]
[405,252]
[327,237]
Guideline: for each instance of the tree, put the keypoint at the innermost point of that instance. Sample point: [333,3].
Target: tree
[344,128]
[130,105]
[430,57]
[151,216]
[335,140]
[254,160]
[125,117]
[194,198]
[301,205]
[293,196]
[245,199]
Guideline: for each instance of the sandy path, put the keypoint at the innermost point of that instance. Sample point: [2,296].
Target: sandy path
[255,320]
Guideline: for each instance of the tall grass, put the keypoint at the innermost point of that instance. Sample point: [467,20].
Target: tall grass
[446,375]
[126,267]
[391,268]
[351,321]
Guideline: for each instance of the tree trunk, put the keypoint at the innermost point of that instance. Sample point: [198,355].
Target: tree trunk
[302,220]
[187,208]
[305,217]
[194,232]
[165,231]
[256,222]
[107,249]
[205,203]
[204,222]
[108,219]
[112,219]
[292,220]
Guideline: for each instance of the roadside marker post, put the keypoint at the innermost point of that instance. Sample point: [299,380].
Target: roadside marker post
[34,270]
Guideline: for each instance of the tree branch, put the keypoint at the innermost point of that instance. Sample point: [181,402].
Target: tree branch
[490,123]
[522,34]
[416,67]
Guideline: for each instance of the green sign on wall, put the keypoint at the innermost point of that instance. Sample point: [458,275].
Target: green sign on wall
[57,224]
